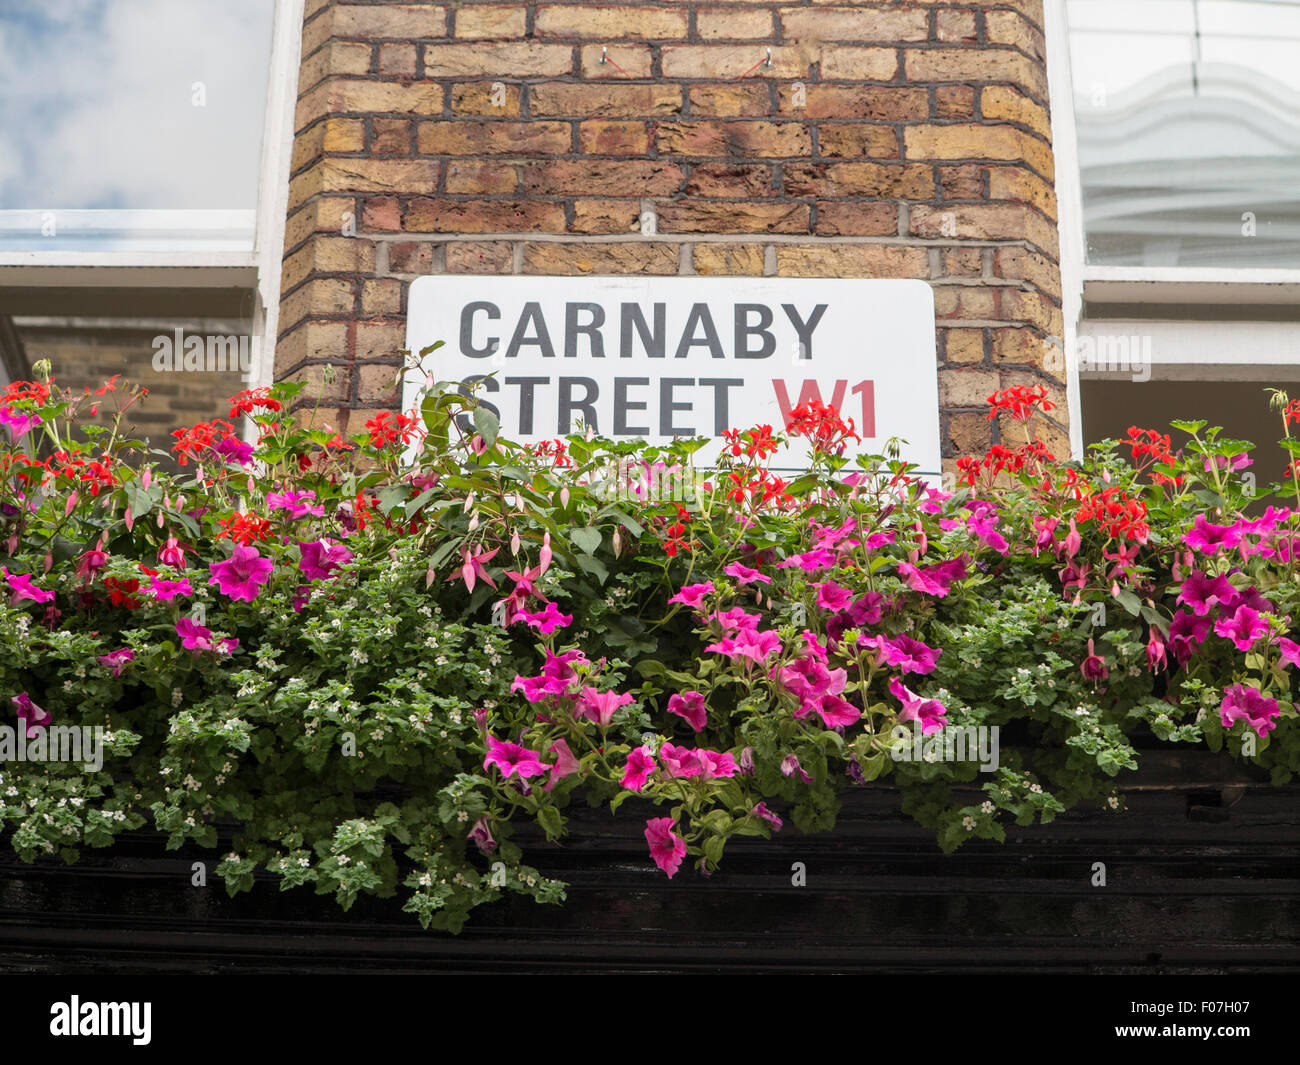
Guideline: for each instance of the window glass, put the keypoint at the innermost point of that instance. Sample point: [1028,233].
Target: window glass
[131,125]
[1188,120]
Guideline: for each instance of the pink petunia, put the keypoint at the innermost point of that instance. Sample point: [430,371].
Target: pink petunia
[666,849]
[790,766]
[117,660]
[745,575]
[18,423]
[1210,539]
[832,597]
[692,595]
[1202,592]
[1246,704]
[929,712]
[481,834]
[717,764]
[761,811]
[810,561]
[165,591]
[690,707]
[906,654]
[320,558]
[681,761]
[566,764]
[298,504]
[748,644]
[242,575]
[30,713]
[1243,628]
[640,764]
[23,588]
[545,621]
[195,637]
[512,759]
[600,707]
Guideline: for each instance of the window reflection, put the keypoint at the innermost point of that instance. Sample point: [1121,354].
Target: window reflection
[131,125]
[1188,120]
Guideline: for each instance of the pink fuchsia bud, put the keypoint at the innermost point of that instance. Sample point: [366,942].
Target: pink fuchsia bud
[544,556]
[70,505]
[564,497]
[146,478]
[514,543]
[128,519]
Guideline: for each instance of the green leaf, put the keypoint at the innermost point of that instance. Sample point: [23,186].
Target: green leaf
[551,821]
[487,424]
[587,539]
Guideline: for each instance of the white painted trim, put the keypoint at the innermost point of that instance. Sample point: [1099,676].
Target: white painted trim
[1156,284]
[273,192]
[1069,204]
[108,270]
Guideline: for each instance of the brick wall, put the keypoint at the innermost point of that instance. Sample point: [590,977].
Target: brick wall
[84,353]
[902,140]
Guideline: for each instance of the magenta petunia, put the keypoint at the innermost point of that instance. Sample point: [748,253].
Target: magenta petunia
[810,561]
[690,707]
[1290,651]
[834,711]
[320,558]
[666,849]
[692,595]
[906,654]
[566,763]
[298,504]
[745,575]
[734,620]
[832,597]
[30,713]
[18,423]
[600,707]
[1246,704]
[23,588]
[761,811]
[242,575]
[1243,628]
[195,637]
[931,713]
[748,644]
[117,660]
[681,761]
[1202,592]
[1210,539]
[165,591]
[717,764]
[640,764]
[545,621]
[481,835]
[512,759]
[1186,633]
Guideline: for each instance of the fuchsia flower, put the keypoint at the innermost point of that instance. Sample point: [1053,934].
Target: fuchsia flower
[195,637]
[511,758]
[931,713]
[745,575]
[1093,667]
[481,834]
[666,849]
[23,588]
[320,558]
[1243,628]
[600,707]
[472,568]
[1246,704]
[91,562]
[117,660]
[545,621]
[242,575]
[692,595]
[30,713]
[1202,592]
[640,764]
[172,554]
[689,706]
[165,591]
[1156,655]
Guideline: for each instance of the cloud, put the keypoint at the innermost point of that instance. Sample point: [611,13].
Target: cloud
[96,103]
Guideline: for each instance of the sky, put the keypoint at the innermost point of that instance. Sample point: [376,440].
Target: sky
[96,103]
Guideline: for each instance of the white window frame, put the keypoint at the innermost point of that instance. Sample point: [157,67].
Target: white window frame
[1080,281]
[258,268]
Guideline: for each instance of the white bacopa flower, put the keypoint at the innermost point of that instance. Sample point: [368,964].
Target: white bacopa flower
[1037,789]
[344,859]
[987,807]
[968,823]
